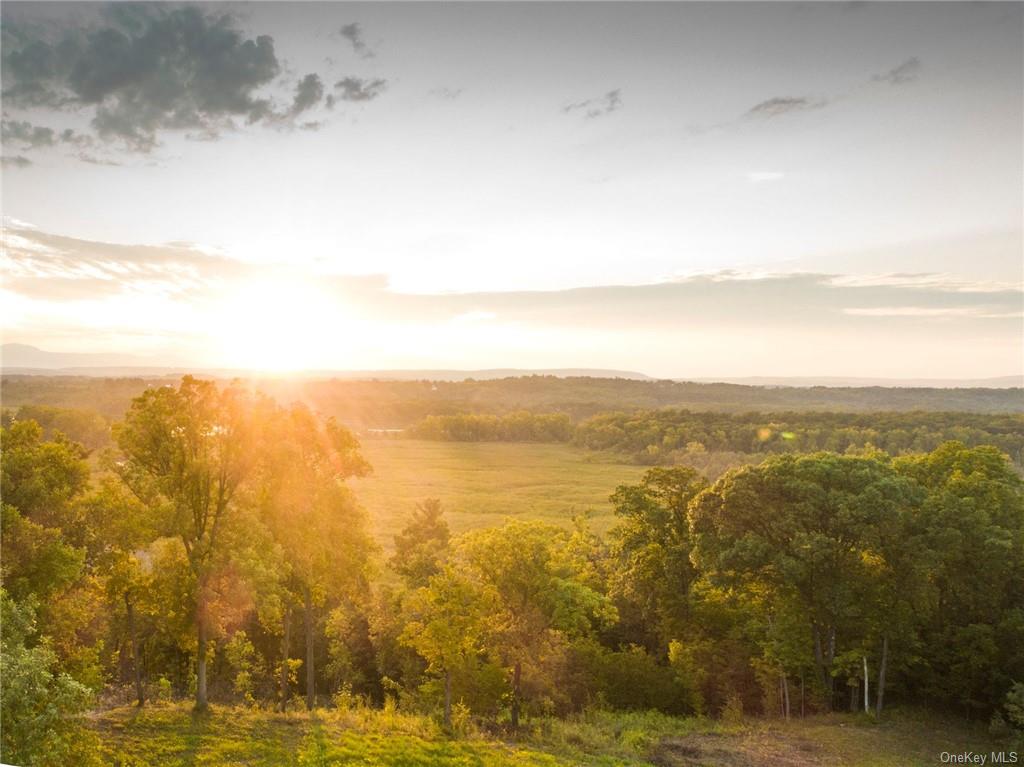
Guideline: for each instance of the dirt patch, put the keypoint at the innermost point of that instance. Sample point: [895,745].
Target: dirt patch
[756,749]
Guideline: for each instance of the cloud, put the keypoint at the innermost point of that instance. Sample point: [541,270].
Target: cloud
[30,136]
[780,106]
[925,280]
[142,69]
[783,105]
[176,293]
[734,299]
[357,89]
[354,34]
[984,312]
[308,94]
[92,159]
[905,73]
[16,161]
[35,261]
[55,270]
[597,107]
[25,133]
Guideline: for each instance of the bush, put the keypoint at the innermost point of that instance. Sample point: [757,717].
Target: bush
[732,713]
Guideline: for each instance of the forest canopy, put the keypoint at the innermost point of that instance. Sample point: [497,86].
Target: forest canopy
[216,552]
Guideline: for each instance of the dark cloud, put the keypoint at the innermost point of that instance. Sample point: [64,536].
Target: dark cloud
[17,161]
[906,72]
[25,133]
[354,34]
[783,105]
[357,89]
[31,136]
[597,107]
[143,69]
[308,93]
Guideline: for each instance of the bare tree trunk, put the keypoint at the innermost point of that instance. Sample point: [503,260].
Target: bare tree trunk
[447,698]
[140,693]
[854,689]
[310,671]
[801,693]
[201,658]
[867,707]
[785,693]
[828,665]
[517,674]
[880,695]
[819,659]
[285,649]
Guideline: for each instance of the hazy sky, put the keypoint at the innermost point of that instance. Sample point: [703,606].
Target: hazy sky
[683,189]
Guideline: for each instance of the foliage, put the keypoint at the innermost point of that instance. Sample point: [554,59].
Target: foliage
[41,706]
[84,426]
[224,531]
[651,546]
[665,436]
[421,547]
[520,426]
[398,404]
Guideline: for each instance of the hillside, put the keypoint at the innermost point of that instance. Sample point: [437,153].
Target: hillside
[399,404]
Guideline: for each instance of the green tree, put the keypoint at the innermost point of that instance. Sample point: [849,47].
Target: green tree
[800,528]
[187,451]
[315,519]
[651,546]
[41,707]
[422,545]
[972,525]
[447,625]
[46,536]
[538,595]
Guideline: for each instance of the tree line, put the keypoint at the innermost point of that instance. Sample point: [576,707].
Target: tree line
[520,426]
[217,553]
[663,436]
[384,404]
[654,435]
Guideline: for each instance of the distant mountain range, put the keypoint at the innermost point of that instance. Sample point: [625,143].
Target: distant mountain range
[23,359]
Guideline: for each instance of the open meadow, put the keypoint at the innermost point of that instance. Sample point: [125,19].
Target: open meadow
[480,484]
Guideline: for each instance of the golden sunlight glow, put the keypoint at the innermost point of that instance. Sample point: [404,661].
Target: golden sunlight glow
[276,325]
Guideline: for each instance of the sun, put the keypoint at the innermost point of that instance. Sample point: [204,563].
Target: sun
[279,325]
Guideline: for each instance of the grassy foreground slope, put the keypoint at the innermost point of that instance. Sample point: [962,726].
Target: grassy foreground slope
[480,484]
[171,736]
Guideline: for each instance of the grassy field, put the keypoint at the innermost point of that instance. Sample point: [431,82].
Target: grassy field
[481,483]
[171,736]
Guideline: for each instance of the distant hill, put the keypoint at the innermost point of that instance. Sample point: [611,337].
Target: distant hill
[25,357]
[392,403]
[1001,382]
[22,359]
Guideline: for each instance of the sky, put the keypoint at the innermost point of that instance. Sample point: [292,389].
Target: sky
[682,189]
